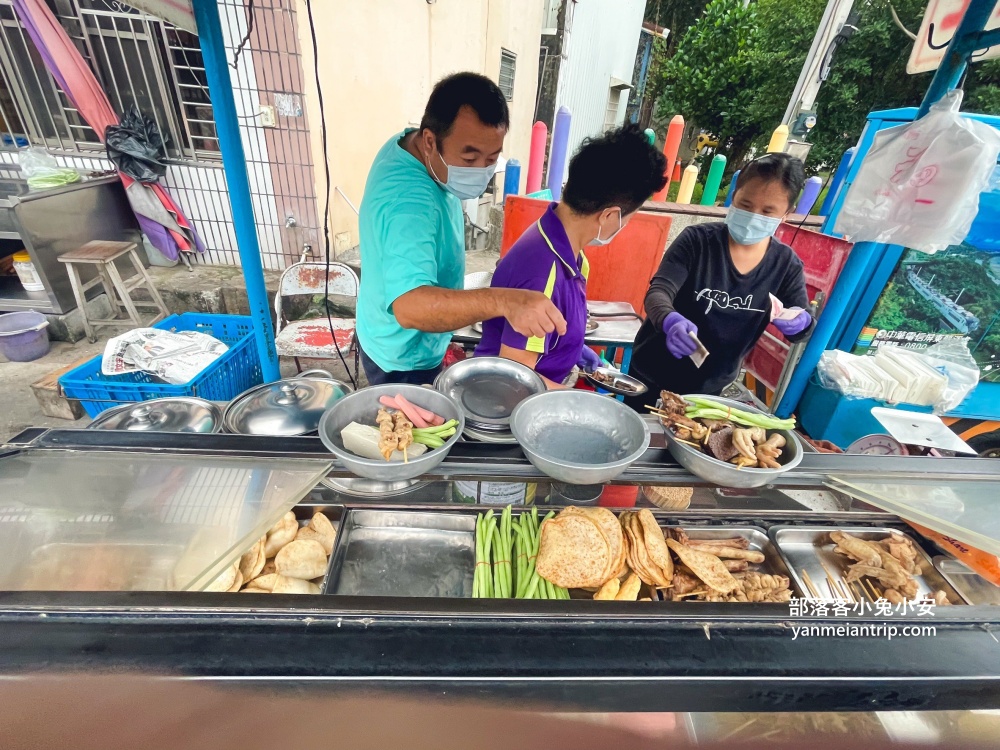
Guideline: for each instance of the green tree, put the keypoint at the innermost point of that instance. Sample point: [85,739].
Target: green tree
[706,78]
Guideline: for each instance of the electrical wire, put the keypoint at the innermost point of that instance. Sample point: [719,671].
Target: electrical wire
[246,37]
[326,208]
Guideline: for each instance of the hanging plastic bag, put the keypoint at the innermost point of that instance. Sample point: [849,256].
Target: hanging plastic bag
[136,147]
[42,171]
[919,184]
[952,357]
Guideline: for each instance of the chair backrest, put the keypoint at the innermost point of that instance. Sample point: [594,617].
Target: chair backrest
[310,278]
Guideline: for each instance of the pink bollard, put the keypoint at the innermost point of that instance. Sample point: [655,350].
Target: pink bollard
[536,158]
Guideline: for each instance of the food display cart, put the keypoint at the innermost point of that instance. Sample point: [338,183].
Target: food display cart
[395,611]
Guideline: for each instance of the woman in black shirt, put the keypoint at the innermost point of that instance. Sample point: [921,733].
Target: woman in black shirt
[715,283]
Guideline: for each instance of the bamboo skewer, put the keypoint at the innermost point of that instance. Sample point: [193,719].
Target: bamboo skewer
[809,585]
[838,584]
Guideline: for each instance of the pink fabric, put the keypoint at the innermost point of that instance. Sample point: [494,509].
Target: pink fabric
[82,88]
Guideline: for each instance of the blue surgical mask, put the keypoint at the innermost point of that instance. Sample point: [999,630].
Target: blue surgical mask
[598,240]
[748,228]
[465,182]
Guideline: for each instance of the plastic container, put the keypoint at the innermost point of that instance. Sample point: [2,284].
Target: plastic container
[23,337]
[825,414]
[234,372]
[26,272]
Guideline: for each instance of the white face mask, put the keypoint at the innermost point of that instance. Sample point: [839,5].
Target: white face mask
[464,182]
[598,240]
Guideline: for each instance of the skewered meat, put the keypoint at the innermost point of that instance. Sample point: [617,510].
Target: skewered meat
[388,439]
[671,403]
[403,430]
[684,583]
[733,553]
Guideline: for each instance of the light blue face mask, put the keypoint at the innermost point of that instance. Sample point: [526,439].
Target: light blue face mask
[465,182]
[748,228]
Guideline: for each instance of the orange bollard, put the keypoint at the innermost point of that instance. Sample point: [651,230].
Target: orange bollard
[675,131]
[676,177]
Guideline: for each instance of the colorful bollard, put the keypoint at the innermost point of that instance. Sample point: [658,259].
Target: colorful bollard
[688,181]
[675,132]
[732,188]
[536,157]
[810,192]
[511,177]
[557,154]
[837,181]
[650,136]
[714,181]
[779,138]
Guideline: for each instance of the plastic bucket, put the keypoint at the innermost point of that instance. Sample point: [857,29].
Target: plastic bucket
[23,336]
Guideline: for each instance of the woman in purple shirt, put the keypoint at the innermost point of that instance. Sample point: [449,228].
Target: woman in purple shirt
[609,179]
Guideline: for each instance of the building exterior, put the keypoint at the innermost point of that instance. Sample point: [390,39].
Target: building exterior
[377,63]
[587,59]
[141,59]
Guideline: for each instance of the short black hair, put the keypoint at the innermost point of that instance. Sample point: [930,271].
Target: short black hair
[464,90]
[619,168]
[786,169]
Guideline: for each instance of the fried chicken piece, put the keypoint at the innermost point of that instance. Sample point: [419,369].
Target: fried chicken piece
[893,596]
[684,583]
[893,579]
[671,403]
[903,550]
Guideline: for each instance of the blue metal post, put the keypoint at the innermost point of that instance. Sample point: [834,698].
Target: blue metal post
[969,36]
[511,178]
[640,86]
[837,181]
[732,188]
[220,88]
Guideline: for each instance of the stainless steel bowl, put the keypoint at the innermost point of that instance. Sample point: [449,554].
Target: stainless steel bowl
[725,474]
[489,388]
[362,407]
[579,437]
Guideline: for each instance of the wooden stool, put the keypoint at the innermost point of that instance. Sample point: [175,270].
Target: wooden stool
[103,254]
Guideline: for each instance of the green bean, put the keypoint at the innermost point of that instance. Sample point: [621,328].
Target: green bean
[476,577]
[498,585]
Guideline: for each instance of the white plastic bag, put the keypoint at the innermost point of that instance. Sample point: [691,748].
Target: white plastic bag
[42,171]
[952,358]
[919,184]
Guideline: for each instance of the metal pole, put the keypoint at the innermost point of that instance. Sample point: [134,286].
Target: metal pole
[956,57]
[234,162]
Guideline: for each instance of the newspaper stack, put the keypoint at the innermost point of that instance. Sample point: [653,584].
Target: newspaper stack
[172,357]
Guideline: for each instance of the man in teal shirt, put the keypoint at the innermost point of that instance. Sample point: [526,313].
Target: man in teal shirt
[413,237]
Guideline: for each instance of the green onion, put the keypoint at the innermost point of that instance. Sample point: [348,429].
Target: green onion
[701,408]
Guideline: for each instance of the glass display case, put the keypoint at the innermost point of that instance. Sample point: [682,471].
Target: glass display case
[394,610]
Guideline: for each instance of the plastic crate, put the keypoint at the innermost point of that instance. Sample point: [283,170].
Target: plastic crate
[224,379]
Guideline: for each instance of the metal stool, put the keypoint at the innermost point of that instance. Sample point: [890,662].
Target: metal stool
[103,254]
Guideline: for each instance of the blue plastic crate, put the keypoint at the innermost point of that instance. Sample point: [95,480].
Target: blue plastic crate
[227,377]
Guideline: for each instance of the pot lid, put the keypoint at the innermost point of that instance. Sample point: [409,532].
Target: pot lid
[180,414]
[292,406]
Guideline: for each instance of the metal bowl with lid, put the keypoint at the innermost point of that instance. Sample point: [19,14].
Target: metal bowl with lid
[175,414]
[292,406]
[489,388]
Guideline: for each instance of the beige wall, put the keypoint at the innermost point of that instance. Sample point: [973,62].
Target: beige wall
[378,61]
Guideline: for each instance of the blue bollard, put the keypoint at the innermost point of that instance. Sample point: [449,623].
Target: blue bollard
[809,195]
[557,151]
[837,181]
[512,178]
[732,188]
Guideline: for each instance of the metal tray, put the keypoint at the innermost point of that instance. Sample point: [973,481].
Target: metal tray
[807,549]
[970,585]
[404,553]
[773,563]
[619,382]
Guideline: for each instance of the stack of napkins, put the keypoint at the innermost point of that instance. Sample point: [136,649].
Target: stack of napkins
[920,383]
[857,376]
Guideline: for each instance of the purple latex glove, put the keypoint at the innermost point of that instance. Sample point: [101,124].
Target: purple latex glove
[678,330]
[589,360]
[795,325]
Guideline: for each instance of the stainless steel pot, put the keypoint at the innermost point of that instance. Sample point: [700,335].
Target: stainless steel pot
[292,406]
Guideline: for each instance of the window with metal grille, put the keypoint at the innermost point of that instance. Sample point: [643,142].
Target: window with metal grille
[508,61]
[137,58]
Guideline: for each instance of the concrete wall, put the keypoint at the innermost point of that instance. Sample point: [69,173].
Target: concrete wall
[377,64]
[600,39]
